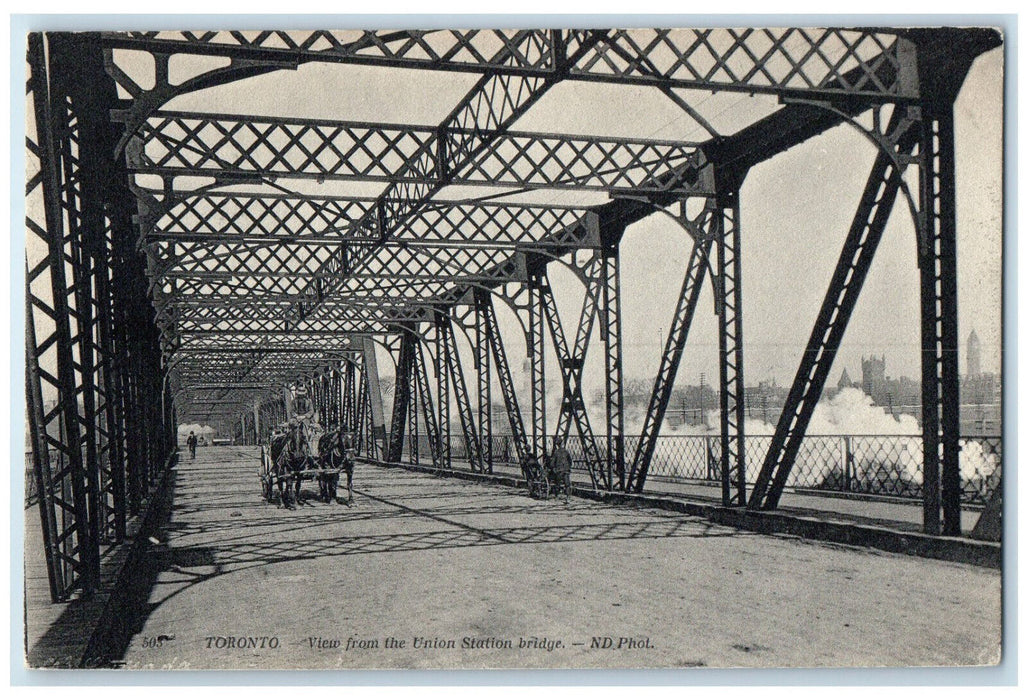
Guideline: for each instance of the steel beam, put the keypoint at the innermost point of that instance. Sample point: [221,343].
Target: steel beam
[76,561]
[477,149]
[940,381]
[839,62]
[427,408]
[376,414]
[455,370]
[577,355]
[705,230]
[272,216]
[442,383]
[485,399]
[484,305]
[537,358]
[610,331]
[730,345]
[573,402]
[401,395]
[851,271]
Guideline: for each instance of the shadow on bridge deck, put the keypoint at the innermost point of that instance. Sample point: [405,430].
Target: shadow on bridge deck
[428,561]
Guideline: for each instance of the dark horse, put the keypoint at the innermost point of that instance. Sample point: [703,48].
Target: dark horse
[290,454]
[335,450]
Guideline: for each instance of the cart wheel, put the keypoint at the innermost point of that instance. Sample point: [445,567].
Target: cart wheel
[538,488]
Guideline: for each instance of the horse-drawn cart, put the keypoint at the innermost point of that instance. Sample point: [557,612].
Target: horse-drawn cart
[275,486]
[297,454]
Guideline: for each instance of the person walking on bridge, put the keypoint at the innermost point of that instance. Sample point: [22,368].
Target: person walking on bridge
[560,468]
[191,444]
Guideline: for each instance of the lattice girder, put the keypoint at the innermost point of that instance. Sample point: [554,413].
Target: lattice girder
[777,61]
[265,217]
[173,144]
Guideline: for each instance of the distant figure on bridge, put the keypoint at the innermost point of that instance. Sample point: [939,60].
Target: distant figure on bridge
[560,468]
[535,476]
[191,444]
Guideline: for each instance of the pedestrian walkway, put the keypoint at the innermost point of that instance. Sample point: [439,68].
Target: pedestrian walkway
[894,513]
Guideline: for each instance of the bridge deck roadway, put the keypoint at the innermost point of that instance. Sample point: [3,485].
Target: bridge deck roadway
[417,556]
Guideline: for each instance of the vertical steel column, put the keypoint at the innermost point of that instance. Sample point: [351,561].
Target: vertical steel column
[442,379]
[85,98]
[427,407]
[362,420]
[322,404]
[331,401]
[485,397]
[76,549]
[326,393]
[412,415]
[347,389]
[42,468]
[353,395]
[313,394]
[374,392]
[610,330]
[401,395]
[340,387]
[939,82]
[729,285]
[940,382]
[537,356]
[444,328]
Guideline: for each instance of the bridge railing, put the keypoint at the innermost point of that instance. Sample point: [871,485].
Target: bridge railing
[871,465]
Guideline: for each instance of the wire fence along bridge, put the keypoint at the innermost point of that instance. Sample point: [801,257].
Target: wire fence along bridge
[215,265]
[873,465]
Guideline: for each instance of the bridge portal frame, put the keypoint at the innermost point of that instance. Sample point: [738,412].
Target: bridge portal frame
[112,344]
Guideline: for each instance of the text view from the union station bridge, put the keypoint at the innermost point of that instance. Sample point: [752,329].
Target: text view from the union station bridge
[481,348]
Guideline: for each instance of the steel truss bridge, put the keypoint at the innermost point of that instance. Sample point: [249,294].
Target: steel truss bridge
[177,271]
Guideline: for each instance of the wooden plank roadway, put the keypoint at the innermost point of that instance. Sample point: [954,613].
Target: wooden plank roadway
[517,583]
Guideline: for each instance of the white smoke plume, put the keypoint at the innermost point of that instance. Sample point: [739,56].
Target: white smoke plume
[852,412]
[883,452]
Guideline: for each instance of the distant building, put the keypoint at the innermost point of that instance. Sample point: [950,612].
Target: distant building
[981,388]
[874,375]
[844,381]
[974,355]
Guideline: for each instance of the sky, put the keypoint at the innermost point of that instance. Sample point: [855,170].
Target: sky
[795,211]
